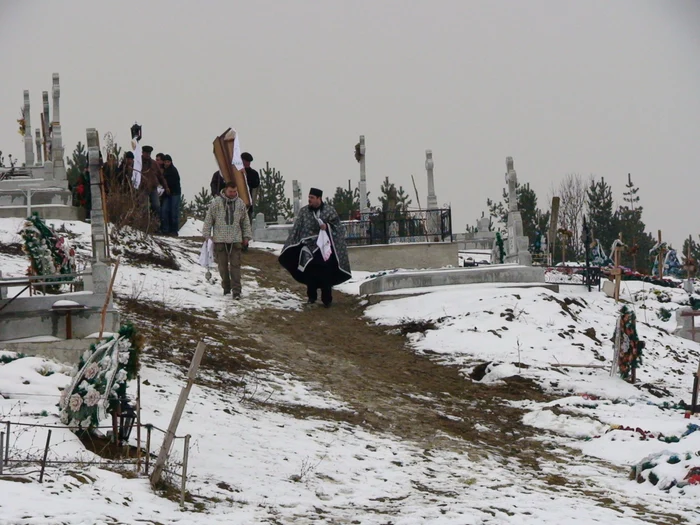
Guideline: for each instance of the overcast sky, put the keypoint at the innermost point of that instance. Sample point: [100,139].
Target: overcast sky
[595,87]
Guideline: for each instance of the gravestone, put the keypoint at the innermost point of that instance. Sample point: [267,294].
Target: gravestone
[296,194]
[50,195]
[517,246]
[433,218]
[360,157]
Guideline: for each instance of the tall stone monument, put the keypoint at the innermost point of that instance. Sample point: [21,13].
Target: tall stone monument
[296,196]
[433,215]
[429,165]
[28,142]
[360,156]
[37,141]
[59,166]
[517,245]
[41,185]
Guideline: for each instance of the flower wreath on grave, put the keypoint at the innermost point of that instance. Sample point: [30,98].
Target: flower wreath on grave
[630,345]
[48,253]
[99,380]
[501,249]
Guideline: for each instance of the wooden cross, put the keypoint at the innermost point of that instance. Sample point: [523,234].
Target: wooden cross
[696,384]
[689,264]
[617,271]
[661,258]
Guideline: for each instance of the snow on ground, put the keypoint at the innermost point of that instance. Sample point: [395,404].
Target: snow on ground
[250,463]
[252,466]
[528,330]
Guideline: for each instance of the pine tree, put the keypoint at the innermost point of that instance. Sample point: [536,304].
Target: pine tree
[272,201]
[694,247]
[184,210]
[393,199]
[602,219]
[344,202]
[638,241]
[198,208]
[76,164]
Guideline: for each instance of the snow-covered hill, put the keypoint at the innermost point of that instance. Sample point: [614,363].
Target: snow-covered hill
[272,445]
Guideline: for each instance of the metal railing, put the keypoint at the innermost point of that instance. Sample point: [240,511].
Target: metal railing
[390,227]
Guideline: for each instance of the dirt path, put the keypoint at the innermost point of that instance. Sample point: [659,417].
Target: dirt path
[372,369]
[392,388]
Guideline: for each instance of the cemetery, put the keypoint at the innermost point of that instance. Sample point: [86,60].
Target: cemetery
[440,339]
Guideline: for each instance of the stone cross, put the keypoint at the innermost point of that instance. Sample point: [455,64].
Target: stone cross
[296,194]
[59,166]
[37,141]
[96,213]
[363,178]
[512,180]
[429,165]
[45,127]
[28,143]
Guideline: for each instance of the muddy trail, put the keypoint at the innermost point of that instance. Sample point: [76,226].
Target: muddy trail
[389,387]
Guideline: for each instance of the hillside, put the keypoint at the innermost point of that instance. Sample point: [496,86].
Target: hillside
[442,407]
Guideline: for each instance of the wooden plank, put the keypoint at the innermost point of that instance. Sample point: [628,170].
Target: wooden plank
[223,153]
[177,414]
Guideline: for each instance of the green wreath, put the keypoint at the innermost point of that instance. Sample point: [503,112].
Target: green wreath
[631,346]
[48,253]
[99,380]
[501,249]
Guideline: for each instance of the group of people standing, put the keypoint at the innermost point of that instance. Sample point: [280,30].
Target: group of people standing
[160,181]
[156,185]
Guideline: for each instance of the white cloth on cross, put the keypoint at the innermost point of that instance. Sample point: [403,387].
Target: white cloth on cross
[138,165]
[236,159]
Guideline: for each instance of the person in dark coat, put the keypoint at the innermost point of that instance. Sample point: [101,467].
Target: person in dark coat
[151,176]
[302,257]
[170,211]
[217,184]
[252,178]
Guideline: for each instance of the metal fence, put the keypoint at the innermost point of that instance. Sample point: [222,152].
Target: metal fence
[390,227]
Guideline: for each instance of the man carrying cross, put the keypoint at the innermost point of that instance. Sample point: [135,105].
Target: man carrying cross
[315,253]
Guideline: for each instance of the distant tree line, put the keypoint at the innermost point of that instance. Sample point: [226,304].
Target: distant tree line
[590,198]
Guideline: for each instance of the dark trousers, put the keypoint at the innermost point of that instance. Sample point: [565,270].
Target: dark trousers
[228,259]
[170,214]
[154,200]
[318,275]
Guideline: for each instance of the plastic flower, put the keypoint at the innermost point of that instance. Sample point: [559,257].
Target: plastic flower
[121,376]
[76,401]
[91,370]
[92,397]
[123,357]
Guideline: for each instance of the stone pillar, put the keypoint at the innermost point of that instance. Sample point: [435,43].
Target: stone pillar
[96,215]
[517,247]
[48,166]
[433,217]
[59,166]
[296,195]
[258,224]
[37,141]
[363,178]
[429,164]
[28,144]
